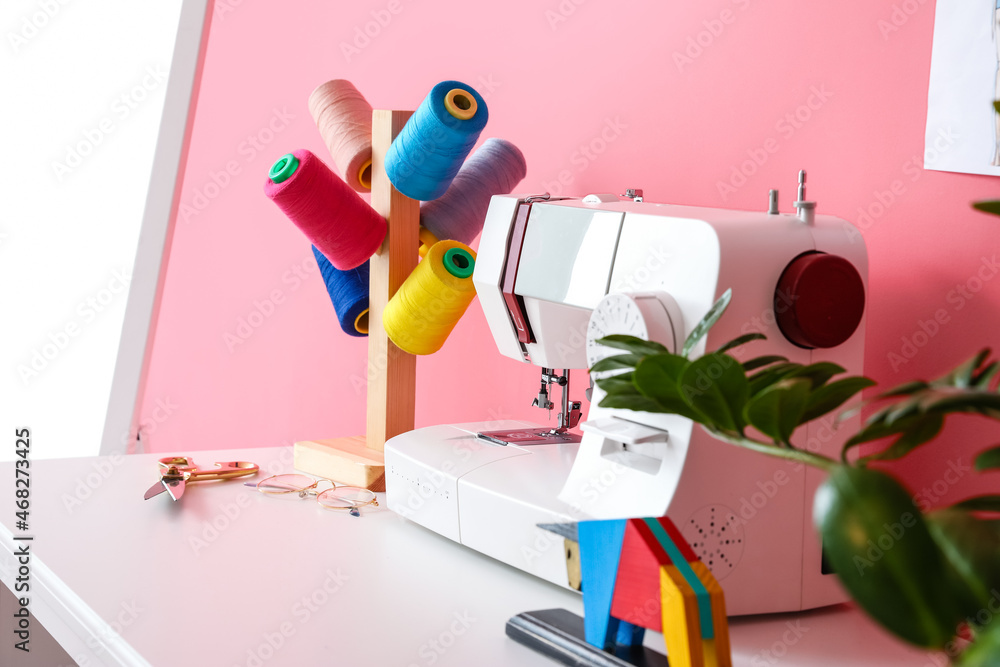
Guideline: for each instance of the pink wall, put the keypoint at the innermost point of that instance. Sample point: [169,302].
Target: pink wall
[670,97]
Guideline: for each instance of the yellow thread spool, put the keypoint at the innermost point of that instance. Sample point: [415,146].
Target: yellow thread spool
[460,104]
[423,311]
[427,240]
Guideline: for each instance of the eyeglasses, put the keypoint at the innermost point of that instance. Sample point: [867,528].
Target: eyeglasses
[349,498]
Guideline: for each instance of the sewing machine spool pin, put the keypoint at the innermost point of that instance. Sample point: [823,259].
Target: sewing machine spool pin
[806,209]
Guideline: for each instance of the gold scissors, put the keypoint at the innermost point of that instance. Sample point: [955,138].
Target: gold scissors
[177,471]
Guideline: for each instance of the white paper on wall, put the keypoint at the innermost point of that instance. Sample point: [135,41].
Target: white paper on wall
[963,133]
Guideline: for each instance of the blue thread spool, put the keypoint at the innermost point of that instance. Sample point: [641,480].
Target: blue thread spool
[348,291]
[426,156]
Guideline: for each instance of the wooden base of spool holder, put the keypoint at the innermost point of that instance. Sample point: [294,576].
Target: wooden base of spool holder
[358,460]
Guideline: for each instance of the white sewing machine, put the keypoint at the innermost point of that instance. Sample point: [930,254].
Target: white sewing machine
[553,276]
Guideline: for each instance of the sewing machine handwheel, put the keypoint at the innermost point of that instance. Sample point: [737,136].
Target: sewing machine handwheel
[819,300]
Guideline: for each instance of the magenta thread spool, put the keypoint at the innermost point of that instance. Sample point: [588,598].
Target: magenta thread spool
[332,216]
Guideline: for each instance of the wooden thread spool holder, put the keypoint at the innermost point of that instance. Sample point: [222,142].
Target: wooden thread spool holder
[359,460]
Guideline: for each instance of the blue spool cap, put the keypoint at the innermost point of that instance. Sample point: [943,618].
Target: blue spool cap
[424,159]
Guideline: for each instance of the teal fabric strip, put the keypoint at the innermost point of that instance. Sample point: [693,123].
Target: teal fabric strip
[700,592]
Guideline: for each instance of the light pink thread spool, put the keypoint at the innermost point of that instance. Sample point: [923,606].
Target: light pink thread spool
[344,119]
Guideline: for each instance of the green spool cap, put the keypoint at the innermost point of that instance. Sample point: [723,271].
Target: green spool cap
[459,262]
[283,169]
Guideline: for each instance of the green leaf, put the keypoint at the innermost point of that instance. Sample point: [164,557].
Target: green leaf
[962,400]
[742,340]
[991,206]
[905,389]
[619,384]
[616,362]
[831,396]
[989,459]
[961,377]
[883,553]
[770,375]
[658,377]
[819,373]
[979,504]
[876,431]
[776,411]
[970,546]
[922,431]
[633,402]
[711,317]
[715,386]
[984,377]
[632,344]
[760,362]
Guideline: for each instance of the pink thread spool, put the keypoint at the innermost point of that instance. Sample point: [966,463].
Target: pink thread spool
[344,119]
[333,216]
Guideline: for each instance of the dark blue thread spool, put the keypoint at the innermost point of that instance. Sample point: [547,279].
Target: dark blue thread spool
[348,291]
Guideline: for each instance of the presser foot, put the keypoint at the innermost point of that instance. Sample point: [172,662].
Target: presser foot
[529,437]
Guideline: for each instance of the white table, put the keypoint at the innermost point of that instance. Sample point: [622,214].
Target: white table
[228,577]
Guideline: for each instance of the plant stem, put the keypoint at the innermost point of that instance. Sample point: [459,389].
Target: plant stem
[792,454]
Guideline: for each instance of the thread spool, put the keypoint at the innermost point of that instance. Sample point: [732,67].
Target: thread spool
[427,241]
[332,215]
[424,310]
[348,291]
[344,119]
[494,169]
[425,157]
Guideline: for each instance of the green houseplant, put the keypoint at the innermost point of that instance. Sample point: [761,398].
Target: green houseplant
[932,578]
